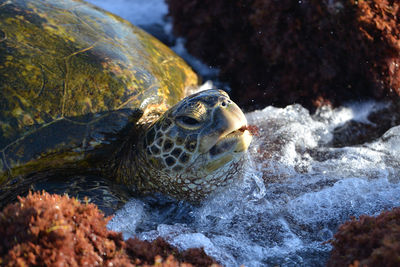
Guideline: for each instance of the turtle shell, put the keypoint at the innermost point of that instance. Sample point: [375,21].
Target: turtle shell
[70,73]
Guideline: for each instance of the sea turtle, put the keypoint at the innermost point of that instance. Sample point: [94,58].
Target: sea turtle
[84,91]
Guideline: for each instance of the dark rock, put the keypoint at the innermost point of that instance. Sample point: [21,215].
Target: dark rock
[309,52]
[357,132]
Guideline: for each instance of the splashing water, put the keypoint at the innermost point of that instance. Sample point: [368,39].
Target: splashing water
[295,193]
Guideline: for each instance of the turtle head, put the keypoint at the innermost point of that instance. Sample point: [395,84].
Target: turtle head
[197,145]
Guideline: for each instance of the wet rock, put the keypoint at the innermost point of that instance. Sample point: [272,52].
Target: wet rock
[54,230]
[369,241]
[308,52]
[356,132]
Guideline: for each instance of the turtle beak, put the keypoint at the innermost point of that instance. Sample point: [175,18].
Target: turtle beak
[229,132]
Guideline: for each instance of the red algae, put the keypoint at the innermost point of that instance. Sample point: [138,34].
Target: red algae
[284,52]
[368,241]
[253,129]
[53,230]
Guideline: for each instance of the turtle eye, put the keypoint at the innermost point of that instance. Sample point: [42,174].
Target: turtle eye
[188,122]
[225,102]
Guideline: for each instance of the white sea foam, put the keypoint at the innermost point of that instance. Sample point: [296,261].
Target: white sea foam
[127,218]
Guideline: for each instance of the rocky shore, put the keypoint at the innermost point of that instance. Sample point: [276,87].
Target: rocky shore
[284,52]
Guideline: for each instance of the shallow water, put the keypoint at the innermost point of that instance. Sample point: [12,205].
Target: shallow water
[297,190]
